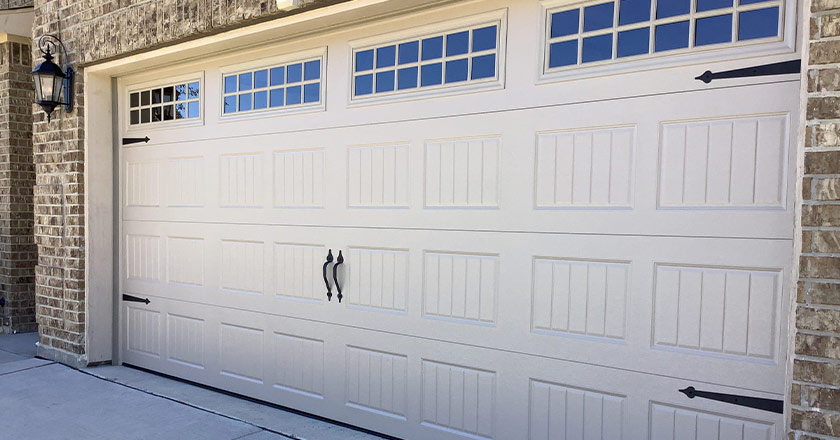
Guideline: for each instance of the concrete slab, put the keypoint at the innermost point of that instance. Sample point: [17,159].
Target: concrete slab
[83,406]
[6,357]
[24,364]
[288,423]
[21,344]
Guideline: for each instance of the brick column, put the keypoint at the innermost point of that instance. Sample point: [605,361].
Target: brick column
[815,393]
[17,176]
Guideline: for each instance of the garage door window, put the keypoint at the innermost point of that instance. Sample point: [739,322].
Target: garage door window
[282,86]
[172,102]
[463,56]
[621,29]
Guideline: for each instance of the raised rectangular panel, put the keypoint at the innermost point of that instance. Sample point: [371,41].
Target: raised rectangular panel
[585,168]
[675,423]
[296,271]
[142,257]
[462,173]
[377,381]
[242,266]
[461,286]
[378,278]
[185,185]
[185,261]
[241,180]
[558,412]
[377,176]
[727,163]
[299,179]
[142,184]
[580,296]
[717,310]
[459,400]
[185,340]
[299,365]
[143,331]
[241,350]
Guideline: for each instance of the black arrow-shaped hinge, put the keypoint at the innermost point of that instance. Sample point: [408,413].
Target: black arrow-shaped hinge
[135,299]
[783,68]
[776,406]
[129,141]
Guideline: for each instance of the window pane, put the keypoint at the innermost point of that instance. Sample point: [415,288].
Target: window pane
[260,79]
[597,48]
[230,84]
[294,73]
[670,8]
[145,98]
[312,92]
[245,81]
[565,23]
[144,116]
[277,97]
[563,54]
[135,117]
[749,2]
[484,38]
[386,56]
[484,66]
[192,109]
[245,102]
[168,94]
[708,5]
[635,42]
[457,44]
[156,96]
[135,100]
[713,30]
[156,114]
[432,48]
[168,113]
[230,104]
[431,74]
[671,36]
[633,11]
[364,85]
[364,60]
[293,95]
[180,111]
[260,100]
[409,52]
[598,16]
[312,70]
[760,23]
[385,81]
[407,78]
[180,92]
[278,76]
[193,89]
[456,71]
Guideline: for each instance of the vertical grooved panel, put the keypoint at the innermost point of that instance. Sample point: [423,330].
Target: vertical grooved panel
[299,365]
[186,182]
[458,399]
[242,266]
[142,255]
[185,340]
[241,180]
[143,334]
[378,176]
[462,173]
[241,351]
[461,286]
[297,271]
[558,412]
[378,278]
[185,261]
[299,179]
[675,423]
[377,381]
[142,184]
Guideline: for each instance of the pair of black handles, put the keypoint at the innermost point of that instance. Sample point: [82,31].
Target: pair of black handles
[338,262]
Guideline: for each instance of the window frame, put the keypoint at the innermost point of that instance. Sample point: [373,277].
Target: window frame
[783,43]
[418,33]
[173,80]
[267,63]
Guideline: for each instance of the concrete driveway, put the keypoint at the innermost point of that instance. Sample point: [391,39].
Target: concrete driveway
[40,399]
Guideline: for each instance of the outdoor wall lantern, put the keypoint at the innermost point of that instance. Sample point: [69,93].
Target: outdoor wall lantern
[50,80]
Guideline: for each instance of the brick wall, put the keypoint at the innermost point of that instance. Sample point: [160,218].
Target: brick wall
[815,393]
[15,4]
[17,175]
[96,30]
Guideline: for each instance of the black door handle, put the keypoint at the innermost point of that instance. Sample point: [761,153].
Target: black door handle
[338,262]
[326,280]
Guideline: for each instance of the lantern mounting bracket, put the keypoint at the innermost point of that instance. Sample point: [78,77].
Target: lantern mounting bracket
[49,44]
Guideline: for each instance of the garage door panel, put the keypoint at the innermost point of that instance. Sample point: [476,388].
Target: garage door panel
[643,170]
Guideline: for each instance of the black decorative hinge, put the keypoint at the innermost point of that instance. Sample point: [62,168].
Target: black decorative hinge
[135,299]
[783,68]
[129,141]
[776,406]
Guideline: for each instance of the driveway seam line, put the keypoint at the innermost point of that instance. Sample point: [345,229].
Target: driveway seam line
[28,368]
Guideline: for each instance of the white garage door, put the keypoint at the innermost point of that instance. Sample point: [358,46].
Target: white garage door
[547,226]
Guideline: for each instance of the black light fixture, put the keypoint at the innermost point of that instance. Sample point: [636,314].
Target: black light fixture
[51,83]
